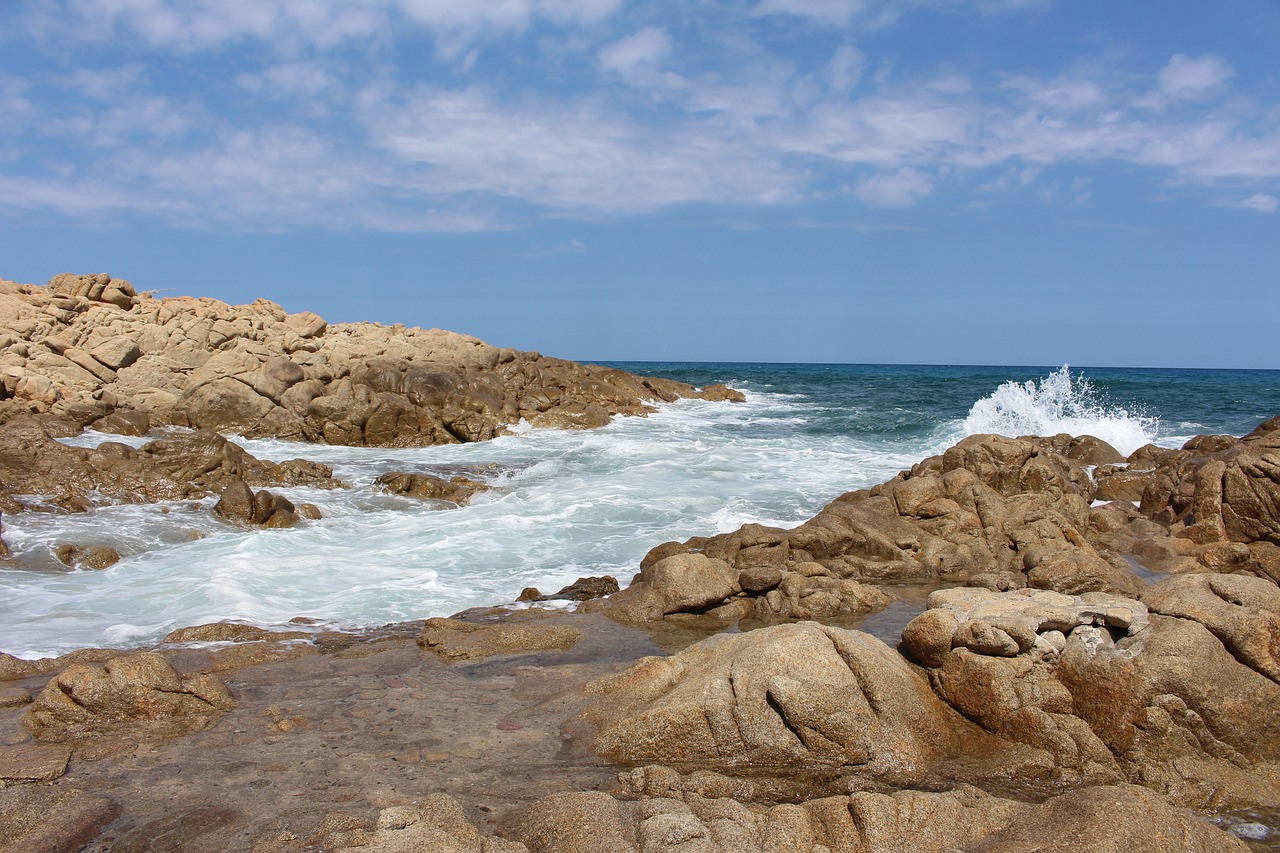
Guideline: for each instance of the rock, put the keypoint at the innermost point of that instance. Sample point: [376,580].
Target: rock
[976,510]
[1110,819]
[583,589]
[1112,692]
[242,506]
[33,763]
[458,490]
[139,695]
[1218,488]
[1076,572]
[1242,612]
[124,423]
[13,697]
[116,353]
[92,557]
[454,640]
[52,818]
[437,824]
[4,549]
[229,632]
[172,468]
[587,822]
[789,695]
[92,342]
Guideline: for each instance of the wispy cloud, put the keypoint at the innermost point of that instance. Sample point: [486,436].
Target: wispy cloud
[1261,202]
[338,118]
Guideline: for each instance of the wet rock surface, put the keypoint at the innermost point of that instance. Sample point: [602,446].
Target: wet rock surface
[189,465]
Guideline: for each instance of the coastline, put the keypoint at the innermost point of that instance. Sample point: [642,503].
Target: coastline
[1008,641]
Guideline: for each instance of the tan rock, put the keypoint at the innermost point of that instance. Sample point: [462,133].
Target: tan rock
[140,695]
[454,639]
[796,693]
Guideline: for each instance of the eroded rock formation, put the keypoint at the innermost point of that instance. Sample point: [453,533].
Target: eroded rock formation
[93,351]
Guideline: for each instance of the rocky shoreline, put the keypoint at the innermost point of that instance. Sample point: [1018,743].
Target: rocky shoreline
[1084,649]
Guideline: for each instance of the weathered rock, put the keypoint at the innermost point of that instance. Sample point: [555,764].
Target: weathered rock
[92,557]
[455,639]
[583,589]
[1110,692]
[33,762]
[89,343]
[140,695]
[242,506]
[171,468]
[1110,819]
[978,510]
[458,490]
[790,695]
[1218,488]
[437,824]
[124,423]
[51,818]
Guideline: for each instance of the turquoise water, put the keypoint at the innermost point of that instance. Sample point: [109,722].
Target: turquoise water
[568,504]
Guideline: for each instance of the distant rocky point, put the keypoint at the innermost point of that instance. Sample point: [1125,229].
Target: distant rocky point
[92,351]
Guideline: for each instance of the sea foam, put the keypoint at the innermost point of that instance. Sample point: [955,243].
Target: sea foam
[1059,403]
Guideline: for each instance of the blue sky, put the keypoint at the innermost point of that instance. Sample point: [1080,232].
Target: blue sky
[911,181]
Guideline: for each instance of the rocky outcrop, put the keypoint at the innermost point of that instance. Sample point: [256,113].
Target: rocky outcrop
[799,695]
[1112,818]
[137,696]
[91,557]
[181,466]
[583,589]
[438,824]
[1113,691]
[240,505]
[456,639]
[997,512]
[457,490]
[92,350]
[673,582]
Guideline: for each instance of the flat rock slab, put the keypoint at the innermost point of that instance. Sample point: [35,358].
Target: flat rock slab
[13,697]
[33,762]
[51,819]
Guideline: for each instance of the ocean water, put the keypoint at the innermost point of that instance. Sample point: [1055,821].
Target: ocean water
[569,504]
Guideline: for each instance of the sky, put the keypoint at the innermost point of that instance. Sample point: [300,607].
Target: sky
[1029,182]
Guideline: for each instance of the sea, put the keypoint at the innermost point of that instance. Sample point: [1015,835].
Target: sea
[568,504]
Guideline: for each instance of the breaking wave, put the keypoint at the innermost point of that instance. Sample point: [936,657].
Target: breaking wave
[1059,403]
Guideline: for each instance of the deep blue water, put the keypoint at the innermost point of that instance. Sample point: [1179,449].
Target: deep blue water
[912,402]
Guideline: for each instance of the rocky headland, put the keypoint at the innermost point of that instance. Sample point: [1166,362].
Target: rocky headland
[1084,649]
[90,351]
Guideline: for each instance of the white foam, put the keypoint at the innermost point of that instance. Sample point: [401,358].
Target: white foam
[1059,403]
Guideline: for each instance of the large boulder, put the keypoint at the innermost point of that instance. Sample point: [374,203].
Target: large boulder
[139,696]
[1112,691]
[790,695]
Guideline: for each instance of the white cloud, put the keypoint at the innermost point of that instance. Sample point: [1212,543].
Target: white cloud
[290,79]
[1192,77]
[845,68]
[375,136]
[1261,202]
[637,56]
[904,187]
[197,25]
[822,11]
